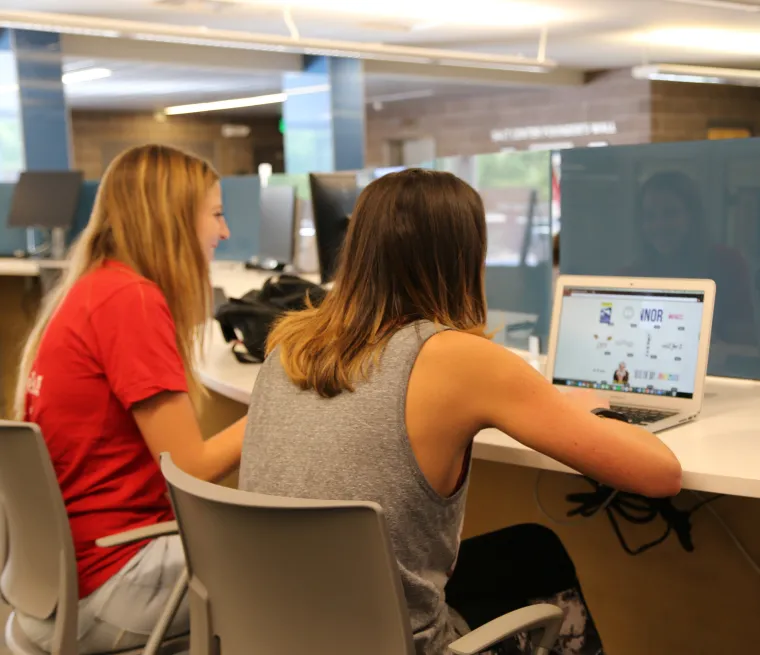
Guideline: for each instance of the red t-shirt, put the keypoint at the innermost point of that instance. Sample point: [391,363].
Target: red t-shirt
[111,343]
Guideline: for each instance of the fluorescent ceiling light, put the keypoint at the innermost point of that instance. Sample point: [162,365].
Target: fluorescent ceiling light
[697,74]
[85,75]
[706,39]
[276,98]
[472,13]
[732,5]
[219,105]
[75,24]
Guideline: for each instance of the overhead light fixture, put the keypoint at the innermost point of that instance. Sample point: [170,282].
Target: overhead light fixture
[202,36]
[697,74]
[732,5]
[220,105]
[242,103]
[85,75]
[705,39]
[276,98]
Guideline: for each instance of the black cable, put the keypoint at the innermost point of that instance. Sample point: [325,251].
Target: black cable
[638,510]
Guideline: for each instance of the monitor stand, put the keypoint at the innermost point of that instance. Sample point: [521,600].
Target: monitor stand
[53,247]
[58,244]
[265,264]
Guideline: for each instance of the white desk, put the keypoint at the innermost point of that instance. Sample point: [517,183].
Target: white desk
[719,453]
[21,267]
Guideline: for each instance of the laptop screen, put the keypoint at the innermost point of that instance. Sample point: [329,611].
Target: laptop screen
[633,341]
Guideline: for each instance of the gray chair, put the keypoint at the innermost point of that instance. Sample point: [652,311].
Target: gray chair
[283,576]
[38,572]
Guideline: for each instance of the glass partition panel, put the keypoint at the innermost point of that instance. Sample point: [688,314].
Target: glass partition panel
[681,210]
[516,191]
[241,210]
[12,239]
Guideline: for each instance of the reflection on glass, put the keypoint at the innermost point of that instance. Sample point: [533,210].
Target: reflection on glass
[675,243]
[681,210]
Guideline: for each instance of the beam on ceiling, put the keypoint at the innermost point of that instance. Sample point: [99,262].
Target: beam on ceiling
[199,56]
[98,47]
[477,76]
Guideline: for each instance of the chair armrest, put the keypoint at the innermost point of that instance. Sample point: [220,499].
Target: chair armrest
[138,534]
[546,617]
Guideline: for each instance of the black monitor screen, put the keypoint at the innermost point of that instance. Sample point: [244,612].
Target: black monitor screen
[333,196]
[45,199]
[278,217]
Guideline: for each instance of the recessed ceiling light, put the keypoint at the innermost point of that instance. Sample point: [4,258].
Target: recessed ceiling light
[85,75]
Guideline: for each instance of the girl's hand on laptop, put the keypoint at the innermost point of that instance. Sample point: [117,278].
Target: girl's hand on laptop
[587,399]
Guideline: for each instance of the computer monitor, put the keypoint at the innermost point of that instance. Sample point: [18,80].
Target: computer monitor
[45,199]
[277,228]
[333,196]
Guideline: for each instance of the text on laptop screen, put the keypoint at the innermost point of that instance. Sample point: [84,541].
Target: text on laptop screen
[644,342]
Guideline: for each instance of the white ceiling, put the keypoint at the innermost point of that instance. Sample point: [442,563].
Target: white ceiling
[585,34]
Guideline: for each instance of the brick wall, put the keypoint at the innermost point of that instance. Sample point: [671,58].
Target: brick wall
[462,125]
[683,112]
[99,136]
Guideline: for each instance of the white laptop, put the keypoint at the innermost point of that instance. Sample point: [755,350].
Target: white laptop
[642,343]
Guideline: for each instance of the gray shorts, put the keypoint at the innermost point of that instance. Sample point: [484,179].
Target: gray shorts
[121,613]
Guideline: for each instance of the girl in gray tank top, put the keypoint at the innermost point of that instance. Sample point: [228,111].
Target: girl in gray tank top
[355,447]
[378,393]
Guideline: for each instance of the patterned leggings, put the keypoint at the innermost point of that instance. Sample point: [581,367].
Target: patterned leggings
[523,565]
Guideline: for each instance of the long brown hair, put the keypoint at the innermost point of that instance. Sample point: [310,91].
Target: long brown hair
[415,250]
[144,216]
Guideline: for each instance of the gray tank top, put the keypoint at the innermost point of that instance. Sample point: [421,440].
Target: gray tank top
[355,447]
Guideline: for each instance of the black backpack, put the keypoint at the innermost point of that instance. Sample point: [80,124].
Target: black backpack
[252,316]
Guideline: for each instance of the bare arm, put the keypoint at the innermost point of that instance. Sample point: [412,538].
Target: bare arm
[496,388]
[168,423]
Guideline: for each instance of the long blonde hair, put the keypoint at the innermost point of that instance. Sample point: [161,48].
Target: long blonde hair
[144,216]
[415,250]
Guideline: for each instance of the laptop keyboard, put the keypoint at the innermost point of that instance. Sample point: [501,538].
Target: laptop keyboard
[639,416]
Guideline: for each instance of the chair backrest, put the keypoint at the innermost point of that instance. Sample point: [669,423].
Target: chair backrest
[38,571]
[278,575]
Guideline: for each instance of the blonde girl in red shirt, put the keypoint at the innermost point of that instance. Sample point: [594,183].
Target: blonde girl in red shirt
[108,373]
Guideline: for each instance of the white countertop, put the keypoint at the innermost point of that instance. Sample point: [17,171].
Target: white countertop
[26,267]
[719,452]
